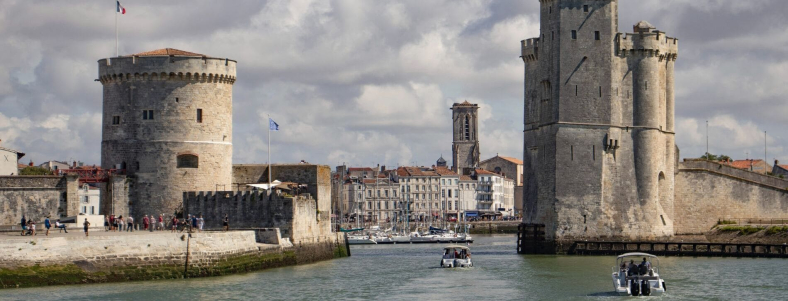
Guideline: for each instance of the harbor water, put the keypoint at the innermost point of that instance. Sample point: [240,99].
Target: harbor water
[411,272]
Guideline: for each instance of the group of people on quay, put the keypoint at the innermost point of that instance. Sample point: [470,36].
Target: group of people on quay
[153,223]
[120,223]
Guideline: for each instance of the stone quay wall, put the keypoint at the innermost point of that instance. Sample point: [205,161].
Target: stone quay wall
[27,262]
[297,217]
[37,197]
[707,192]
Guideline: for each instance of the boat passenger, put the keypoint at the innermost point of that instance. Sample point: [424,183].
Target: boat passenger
[632,268]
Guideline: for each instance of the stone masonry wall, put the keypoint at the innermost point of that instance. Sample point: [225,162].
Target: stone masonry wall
[707,192]
[296,217]
[37,197]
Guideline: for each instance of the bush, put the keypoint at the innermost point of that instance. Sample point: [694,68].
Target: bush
[743,230]
[773,230]
[726,222]
[35,171]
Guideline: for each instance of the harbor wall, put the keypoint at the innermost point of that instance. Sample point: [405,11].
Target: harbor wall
[707,192]
[45,261]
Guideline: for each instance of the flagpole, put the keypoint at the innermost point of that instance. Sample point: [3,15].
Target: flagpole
[269,153]
[116,30]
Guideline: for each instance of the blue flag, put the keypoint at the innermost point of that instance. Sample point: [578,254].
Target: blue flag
[273,126]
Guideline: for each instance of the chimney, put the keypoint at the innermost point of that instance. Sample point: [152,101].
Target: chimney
[31,163]
[776,162]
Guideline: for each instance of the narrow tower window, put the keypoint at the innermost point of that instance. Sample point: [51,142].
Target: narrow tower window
[574,34]
[115,120]
[199,115]
[147,114]
[593,152]
[585,8]
[176,99]
[572,152]
[552,35]
[597,36]
[467,128]
[600,91]
[575,90]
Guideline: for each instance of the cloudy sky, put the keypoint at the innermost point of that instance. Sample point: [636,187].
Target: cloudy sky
[367,82]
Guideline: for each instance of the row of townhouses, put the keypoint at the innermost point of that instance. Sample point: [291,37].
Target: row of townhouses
[422,193]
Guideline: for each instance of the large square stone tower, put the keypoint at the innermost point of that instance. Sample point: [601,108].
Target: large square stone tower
[599,153]
[465,146]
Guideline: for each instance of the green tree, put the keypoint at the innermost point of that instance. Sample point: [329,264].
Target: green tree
[34,171]
[710,157]
[723,158]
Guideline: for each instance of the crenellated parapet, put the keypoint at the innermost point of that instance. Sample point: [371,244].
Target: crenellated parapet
[167,68]
[530,50]
[650,44]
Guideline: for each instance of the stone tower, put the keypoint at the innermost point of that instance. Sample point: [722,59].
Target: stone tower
[167,120]
[599,149]
[465,147]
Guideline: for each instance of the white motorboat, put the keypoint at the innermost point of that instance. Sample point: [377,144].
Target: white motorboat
[633,278]
[456,256]
[360,240]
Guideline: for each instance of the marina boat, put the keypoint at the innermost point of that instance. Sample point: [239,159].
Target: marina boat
[361,240]
[632,277]
[456,256]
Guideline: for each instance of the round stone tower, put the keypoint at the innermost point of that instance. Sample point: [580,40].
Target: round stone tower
[167,120]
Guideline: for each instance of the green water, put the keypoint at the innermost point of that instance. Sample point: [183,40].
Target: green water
[410,272]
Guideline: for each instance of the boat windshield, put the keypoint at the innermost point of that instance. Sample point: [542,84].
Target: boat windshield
[458,252]
[634,261]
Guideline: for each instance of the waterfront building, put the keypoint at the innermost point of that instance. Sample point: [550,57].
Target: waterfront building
[450,193]
[780,171]
[89,199]
[54,166]
[9,161]
[495,193]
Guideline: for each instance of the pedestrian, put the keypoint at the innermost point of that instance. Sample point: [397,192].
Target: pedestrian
[174,226]
[145,222]
[130,225]
[32,225]
[24,225]
[121,223]
[161,222]
[106,224]
[201,222]
[86,224]
[60,226]
[226,222]
[152,223]
[188,222]
[194,223]
[47,225]
[112,222]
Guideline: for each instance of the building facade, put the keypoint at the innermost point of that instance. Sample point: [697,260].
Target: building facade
[599,151]
[465,151]
[9,161]
[89,199]
[167,121]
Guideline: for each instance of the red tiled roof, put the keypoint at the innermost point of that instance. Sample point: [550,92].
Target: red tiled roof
[513,160]
[444,171]
[465,178]
[783,166]
[167,52]
[745,164]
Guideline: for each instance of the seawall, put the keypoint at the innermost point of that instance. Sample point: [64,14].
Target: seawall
[41,261]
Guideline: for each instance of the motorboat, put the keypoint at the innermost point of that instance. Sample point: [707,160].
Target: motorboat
[632,277]
[361,240]
[456,256]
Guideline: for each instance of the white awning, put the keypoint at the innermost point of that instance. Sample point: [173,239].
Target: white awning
[265,185]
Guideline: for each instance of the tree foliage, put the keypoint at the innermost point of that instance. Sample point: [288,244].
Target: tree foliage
[35,171]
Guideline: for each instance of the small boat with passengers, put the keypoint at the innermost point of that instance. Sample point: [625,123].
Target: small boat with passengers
[455,256]
[631,278]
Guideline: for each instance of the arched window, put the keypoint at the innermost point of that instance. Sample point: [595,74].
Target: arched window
[187,161]
[467,127]
[498,170]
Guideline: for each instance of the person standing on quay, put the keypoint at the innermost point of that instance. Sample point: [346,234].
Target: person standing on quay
[194,223]
[145,223]
[47,224]
[201,222]
[24,225]
[161,223]
[130,226]
[226,222]
[86,224]
[106,224]
[152,223]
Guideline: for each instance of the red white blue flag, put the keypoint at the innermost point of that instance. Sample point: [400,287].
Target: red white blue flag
[121,9]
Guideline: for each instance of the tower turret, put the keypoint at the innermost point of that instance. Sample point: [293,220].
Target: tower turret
[465,145]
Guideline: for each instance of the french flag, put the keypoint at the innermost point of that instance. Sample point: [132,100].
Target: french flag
[121,9]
